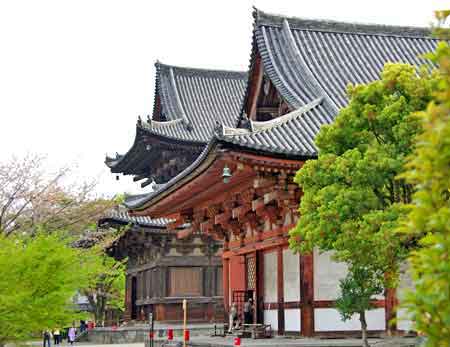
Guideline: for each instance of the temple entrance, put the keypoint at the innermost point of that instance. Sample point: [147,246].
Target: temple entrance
[251,269]
[239,298]
[134,308]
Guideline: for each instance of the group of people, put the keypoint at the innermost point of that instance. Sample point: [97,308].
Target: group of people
[248,310]
[57,337]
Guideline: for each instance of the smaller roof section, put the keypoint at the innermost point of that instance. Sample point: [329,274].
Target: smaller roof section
[123,218]
[190,101]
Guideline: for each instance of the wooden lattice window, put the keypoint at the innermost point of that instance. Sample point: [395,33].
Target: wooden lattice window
[185,281]
[250,269]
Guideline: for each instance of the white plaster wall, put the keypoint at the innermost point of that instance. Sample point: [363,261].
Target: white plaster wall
[329,319]
[271,317]
[291,276]
[327,274]
[270,277]
[292,319]
[405,283]
[403,320]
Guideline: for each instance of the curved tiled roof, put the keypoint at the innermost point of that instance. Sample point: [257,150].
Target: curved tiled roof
[306,59]
[194,100]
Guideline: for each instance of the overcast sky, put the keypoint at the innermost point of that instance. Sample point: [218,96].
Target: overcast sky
[74,75]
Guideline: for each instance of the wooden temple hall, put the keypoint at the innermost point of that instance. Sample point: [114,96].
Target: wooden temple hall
[223,148]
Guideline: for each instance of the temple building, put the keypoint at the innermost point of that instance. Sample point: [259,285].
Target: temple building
[163,269]
[237,188]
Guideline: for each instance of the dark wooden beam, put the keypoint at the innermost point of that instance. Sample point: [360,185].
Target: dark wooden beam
[307,294]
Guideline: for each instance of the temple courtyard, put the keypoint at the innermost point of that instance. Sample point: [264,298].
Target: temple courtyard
[203,341]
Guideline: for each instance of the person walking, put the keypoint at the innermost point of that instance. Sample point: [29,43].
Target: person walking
[248,311]
[233,317]
[71,335]
[56,336]
[47,335]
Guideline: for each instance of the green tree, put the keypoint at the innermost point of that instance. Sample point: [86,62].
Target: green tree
[107,290]
[40,275]
[353,197]
[429,169]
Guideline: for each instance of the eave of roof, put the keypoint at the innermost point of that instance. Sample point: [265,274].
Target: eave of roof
[124,218]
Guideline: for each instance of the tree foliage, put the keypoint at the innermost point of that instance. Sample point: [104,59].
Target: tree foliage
[40,275]
[107,290]
[33,196]
[353,197]
[429,169]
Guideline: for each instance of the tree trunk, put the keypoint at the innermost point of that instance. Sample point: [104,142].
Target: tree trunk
[362,319]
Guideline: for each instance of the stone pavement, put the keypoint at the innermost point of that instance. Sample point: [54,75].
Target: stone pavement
[274,342]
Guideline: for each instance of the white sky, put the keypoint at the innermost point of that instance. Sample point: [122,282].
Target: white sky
[74,75]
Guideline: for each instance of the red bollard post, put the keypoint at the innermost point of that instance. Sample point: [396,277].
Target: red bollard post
[186,335]
[237,341]
[170,334]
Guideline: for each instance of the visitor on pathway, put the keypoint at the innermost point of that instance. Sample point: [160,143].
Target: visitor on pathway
[248,311]
[83,326]
[71,335]
[56,336]
[233,317]
[47,335]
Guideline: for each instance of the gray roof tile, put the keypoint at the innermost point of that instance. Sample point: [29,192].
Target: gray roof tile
[306,59]
[194,100]
[125,218]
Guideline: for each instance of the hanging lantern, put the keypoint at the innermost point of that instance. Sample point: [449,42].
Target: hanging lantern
[226,174]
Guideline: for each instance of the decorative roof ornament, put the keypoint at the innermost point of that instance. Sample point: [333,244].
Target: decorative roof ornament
[149,119]
[218,128]
[245,122]
[139,121]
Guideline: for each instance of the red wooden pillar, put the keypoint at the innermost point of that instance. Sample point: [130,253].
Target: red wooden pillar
[390,306]
[280,290]
[226,284]
[307,294]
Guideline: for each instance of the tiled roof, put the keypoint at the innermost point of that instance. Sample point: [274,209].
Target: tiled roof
[192,101]
[306,59]
[125,218]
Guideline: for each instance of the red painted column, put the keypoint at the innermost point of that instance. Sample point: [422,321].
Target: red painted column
[226,284]
[280,290]
[307,294]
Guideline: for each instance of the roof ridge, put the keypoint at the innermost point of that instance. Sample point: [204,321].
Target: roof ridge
[261,126]
[329,25]
[198,70]
[150,124]
[276,122]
